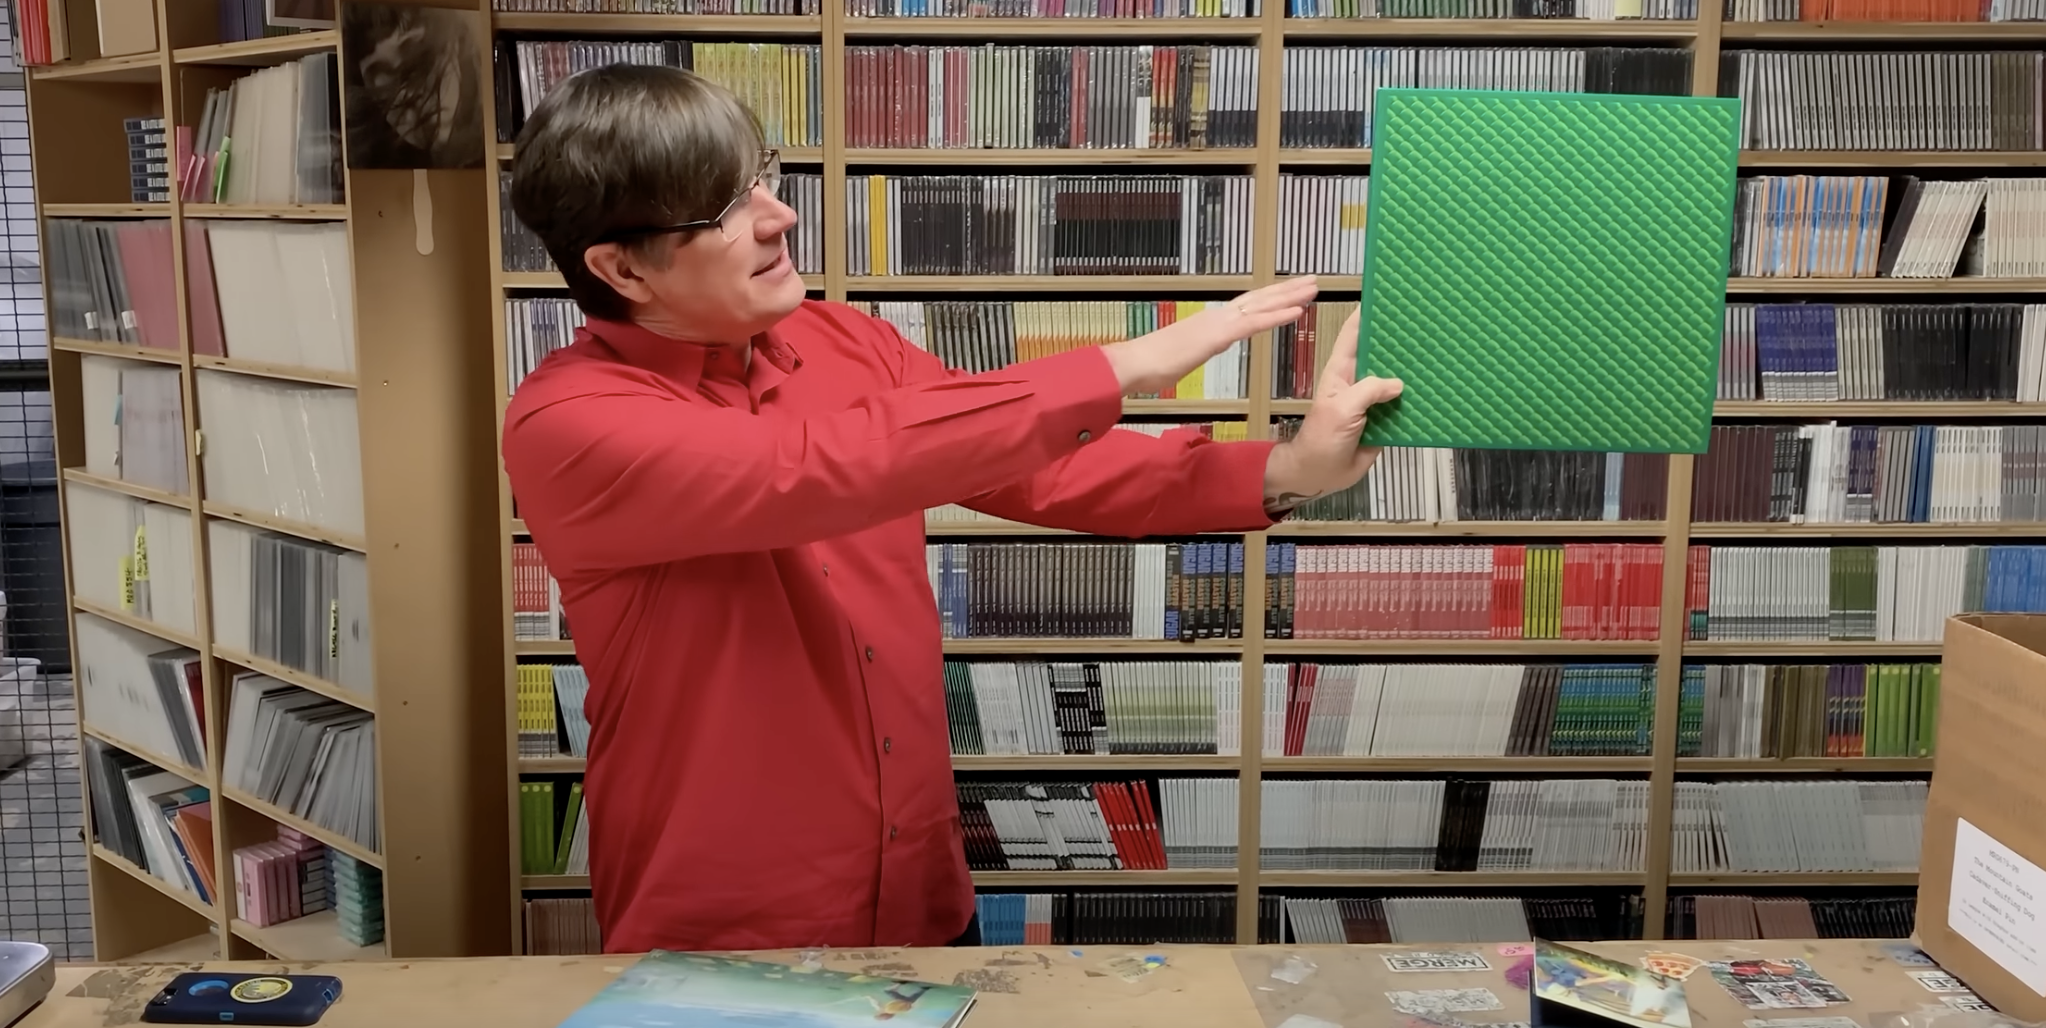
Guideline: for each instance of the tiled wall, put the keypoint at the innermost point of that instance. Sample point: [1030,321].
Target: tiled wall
[42,848]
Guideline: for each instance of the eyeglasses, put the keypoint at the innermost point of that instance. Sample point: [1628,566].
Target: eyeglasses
[769,175]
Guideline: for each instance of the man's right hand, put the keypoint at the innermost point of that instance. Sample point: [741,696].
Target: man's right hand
[1152,363]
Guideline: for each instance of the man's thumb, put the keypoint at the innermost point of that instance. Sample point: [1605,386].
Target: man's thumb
[1369,391]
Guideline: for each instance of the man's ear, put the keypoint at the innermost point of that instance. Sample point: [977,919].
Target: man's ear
[618,269]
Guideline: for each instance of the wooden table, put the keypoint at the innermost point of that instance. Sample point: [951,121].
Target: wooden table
[1030,987]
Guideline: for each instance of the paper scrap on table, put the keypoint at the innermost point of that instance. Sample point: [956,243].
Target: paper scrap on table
[1443,1001]
[1307,1021]
[1294,970]
[1130,966]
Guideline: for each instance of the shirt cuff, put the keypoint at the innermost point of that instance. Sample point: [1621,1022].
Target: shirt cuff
[1078,396]
[1232,481]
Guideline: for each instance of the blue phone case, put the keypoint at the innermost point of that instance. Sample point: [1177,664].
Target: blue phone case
[222,997]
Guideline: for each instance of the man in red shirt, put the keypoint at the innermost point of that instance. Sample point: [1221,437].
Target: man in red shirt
[729,482]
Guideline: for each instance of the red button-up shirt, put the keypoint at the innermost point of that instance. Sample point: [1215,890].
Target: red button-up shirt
[740,548]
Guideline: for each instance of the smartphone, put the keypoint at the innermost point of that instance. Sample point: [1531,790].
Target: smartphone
[220,997]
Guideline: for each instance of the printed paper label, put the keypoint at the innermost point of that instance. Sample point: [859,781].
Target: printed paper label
[1995,901]
[1908,955]
[1802,1022]
[1939,981]
[1436,962]
[1967,1002]
[1443,1001]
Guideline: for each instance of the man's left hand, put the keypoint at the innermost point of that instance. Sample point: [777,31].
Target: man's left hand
[1323,456]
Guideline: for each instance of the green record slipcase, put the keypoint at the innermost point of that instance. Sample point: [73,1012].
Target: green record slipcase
[1547,271]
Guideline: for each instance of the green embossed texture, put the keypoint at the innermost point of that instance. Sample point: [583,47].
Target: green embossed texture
[1547,271]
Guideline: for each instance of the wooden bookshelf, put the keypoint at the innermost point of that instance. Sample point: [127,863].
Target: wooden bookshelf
[1273,32]
[426,536]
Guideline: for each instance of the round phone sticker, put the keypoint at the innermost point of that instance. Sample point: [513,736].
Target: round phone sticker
[260,990]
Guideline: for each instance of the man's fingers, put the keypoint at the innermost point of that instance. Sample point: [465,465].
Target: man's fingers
[1341,369]
[1368,392]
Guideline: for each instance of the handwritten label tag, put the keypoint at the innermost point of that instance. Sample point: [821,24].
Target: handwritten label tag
[1996,902]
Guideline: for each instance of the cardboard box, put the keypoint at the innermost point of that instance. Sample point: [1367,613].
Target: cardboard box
[1982,871]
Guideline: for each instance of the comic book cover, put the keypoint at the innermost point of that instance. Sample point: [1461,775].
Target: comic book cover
[1608,988]
[685,990]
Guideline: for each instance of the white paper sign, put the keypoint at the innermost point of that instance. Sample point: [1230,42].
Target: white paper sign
[1997,901]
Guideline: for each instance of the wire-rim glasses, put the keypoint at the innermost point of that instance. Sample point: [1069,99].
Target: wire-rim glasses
[769,175]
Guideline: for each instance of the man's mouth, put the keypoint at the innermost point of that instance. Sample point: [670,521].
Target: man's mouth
[781,257]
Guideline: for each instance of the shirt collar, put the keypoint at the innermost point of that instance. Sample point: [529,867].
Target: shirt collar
[681,361]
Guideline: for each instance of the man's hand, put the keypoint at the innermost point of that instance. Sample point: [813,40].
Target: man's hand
[1323,457]
[1152,363]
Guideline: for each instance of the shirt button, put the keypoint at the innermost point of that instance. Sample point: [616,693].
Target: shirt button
[870,654]
[827,571]
[893,831]
[1085,435]
[888,744]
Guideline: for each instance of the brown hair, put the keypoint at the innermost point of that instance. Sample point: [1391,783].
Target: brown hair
[627,146]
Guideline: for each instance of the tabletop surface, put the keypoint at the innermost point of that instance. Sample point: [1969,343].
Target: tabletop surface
[1085,986]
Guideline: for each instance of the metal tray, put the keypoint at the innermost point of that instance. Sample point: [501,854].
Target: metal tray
[26,976]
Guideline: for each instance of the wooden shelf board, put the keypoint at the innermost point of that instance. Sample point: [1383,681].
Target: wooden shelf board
[518,527]
[1203,647]
[1047,283]
[106,210]
[531,280]
[1892,158]
[1448,879]
[143,625]
[269,212]
[1802,765]
[554,881]
[1876,409]
[1758,879]
[195,949]
[1460,647]
[1849,649]
[285,372]
[1521,28]
[991,526]
[115,485]
[1132,405]
[146,67]
[1892,31]
[545,647]
[702,25]
[1125,879]
[259,52]
[789,154]
[190,900]
[551,765]
[1741,529]
[1972,284]
[217,509]
[1050,763]
[1492,765]
[1061,28]
[314,937]
[310,683]
[167,763]
[1341,156]
[290,820]
[152,354]
[1472,529]
[1093,158]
